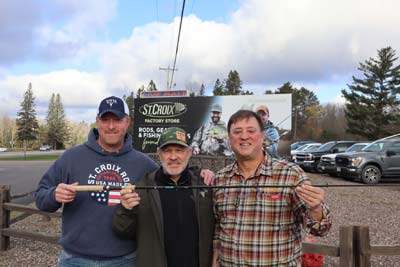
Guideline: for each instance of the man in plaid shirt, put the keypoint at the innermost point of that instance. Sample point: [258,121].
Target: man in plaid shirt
[261,226]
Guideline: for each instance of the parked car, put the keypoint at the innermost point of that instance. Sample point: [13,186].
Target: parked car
[3,149]
[309,161]
[45,148]
[304,148]
[327,163]
[379,160]
[299,144]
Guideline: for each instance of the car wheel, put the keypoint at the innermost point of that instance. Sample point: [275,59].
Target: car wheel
[371,174]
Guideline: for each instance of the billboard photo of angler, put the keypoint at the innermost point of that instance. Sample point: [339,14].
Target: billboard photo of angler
[205,118]
[212,137]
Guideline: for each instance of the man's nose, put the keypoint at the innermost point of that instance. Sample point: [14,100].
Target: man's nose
[173,155]
[244,135]
[111,124]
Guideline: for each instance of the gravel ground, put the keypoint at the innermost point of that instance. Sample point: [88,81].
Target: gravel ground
[378,208]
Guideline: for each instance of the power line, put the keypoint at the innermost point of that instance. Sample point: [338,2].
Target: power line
[172,34]
[177,44]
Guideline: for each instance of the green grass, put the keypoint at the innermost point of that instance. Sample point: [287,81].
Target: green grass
[31,157]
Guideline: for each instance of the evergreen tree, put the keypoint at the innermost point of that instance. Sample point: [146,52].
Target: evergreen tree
[27,124]
[152,86]
[233,84]
[57,134]
[303,100]
[218,88]
[372,106]
[139,91]
[202,90]
[247,92]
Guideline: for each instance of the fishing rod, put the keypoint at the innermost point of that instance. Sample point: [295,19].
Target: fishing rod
[184,187]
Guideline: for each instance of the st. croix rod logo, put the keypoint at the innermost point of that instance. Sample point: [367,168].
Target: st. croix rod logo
[163,109]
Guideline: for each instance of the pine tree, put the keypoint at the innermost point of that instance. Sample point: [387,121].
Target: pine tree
[57,134]
[27,124]
[202,90]
[303,101]
[218,88]
[140,91]
[247,92]
[233,84]
[301,98]
[152,86]
[372,106]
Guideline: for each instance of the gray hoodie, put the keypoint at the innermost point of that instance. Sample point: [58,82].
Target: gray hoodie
[87,221]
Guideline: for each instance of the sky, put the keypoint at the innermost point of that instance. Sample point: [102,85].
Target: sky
[88,50]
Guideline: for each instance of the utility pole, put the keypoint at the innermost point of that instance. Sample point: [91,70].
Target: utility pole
[169,85]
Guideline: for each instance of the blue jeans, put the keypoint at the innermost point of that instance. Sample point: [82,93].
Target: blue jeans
[68,260]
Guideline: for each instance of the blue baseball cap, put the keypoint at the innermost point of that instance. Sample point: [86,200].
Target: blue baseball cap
[114,105]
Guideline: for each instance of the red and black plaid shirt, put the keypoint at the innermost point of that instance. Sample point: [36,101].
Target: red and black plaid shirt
[262,226]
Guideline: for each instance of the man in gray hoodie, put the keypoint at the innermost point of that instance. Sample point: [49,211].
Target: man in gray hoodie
[106,159]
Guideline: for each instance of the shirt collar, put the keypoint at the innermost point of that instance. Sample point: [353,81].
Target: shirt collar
[166,179]
[265,168]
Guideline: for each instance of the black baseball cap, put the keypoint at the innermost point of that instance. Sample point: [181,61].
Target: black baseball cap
[114,105]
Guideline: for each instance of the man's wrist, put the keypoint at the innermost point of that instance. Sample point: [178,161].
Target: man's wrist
[316,208]
[316,212]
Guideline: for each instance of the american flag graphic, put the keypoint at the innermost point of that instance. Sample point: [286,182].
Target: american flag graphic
[109,198]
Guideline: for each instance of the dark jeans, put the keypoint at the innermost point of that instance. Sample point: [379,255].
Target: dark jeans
[68,260]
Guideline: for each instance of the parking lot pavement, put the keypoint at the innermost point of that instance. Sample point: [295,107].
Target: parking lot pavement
[22,176]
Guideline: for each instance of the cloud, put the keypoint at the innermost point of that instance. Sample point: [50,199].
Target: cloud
[310,40]
[79,91]
[340,100]
[268,42]
[315,44]
[49,30]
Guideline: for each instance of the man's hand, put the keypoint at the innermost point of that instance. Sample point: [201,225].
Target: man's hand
[65,193]
[129,198]
[208,176]
[313,197]
[215,259]
[196,151]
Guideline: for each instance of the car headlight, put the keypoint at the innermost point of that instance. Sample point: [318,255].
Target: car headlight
[356,161]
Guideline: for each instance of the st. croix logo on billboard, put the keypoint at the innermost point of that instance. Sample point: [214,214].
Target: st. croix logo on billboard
[163,109]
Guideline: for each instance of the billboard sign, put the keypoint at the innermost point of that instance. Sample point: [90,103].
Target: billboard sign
[203,118]
[169,93]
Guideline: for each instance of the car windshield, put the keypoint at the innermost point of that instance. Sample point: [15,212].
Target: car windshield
[294,146]
[312,148]
[326,146]
[301,148]
[356,148]
[375,147]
